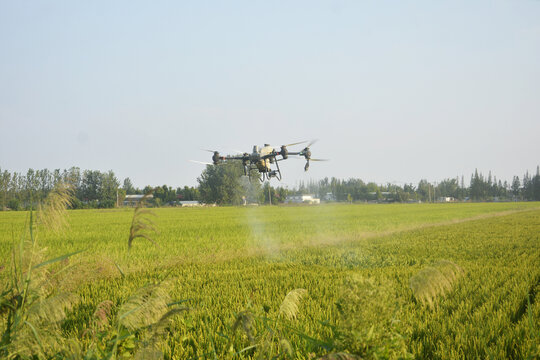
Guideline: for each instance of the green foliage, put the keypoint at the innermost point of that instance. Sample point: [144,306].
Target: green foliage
[223,184]
[14,204]
[142,226]
[52,213]
[34,308]
[369,315]
[30,302]
[434,281]
[271,340]
[236,265]
[150,309]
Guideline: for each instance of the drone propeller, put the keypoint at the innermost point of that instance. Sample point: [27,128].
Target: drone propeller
[311,143]
[286,145]
[296,143]
[310,159]
[201,162]
[212,151]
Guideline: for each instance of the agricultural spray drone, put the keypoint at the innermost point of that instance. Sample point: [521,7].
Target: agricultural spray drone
[262,159]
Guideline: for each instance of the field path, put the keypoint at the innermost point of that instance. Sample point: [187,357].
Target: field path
[378,234]
[324,240]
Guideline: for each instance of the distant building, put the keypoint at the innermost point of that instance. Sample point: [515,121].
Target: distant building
[133,200]
[446,199]
[189,203]
[302,199]
[329,197]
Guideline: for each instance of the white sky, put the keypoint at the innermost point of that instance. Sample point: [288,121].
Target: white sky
[395,91]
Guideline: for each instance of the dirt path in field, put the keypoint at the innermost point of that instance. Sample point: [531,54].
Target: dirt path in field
[328,240]
[371,234]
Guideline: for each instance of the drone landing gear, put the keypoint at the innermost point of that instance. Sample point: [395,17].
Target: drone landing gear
[274,173]
[264,175]
[247,172]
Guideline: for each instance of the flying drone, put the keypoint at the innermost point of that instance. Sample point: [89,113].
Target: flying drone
[262,159]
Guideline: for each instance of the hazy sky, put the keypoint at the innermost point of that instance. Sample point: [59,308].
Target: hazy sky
[394,90]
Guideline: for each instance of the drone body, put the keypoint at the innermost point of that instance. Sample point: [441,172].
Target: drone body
[263,158]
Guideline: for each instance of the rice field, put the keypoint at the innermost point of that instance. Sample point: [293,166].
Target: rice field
[425,281]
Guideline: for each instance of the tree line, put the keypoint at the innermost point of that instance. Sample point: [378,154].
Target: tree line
[92,189]
[480,188]
[226,185]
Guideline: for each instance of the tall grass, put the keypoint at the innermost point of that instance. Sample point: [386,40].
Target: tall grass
[30,301]
[142,226]
[434,281]
[34,307]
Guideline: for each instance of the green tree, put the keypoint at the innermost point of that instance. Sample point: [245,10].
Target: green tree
[479,187]
[121,196]
[107,190]
[90,184]
[268,190]
[187,193]
[5,179]
[128,186]
[528,192]
[516,184]
[159,194]
[535,183]
[221,184]
[73,177]
[424,190]
[448,187]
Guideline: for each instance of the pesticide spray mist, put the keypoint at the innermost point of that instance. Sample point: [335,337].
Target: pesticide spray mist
[262,238]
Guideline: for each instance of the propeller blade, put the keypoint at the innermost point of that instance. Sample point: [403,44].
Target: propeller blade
[319,159]
[286,145]
[296,143]
[212,151]
[201,162]
[312,142]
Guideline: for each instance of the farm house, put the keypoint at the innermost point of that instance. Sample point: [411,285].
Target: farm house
[133,200]
[302,199]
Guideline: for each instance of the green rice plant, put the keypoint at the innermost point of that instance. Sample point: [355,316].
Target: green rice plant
[146,314]
[144,307]
[142,226]
[367,327]
[52,213]
[271,342]
[533,352]
[102,314]
[356,261]
[34,308]
[340,356]
[245,321]
[434,281]
[30,303]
